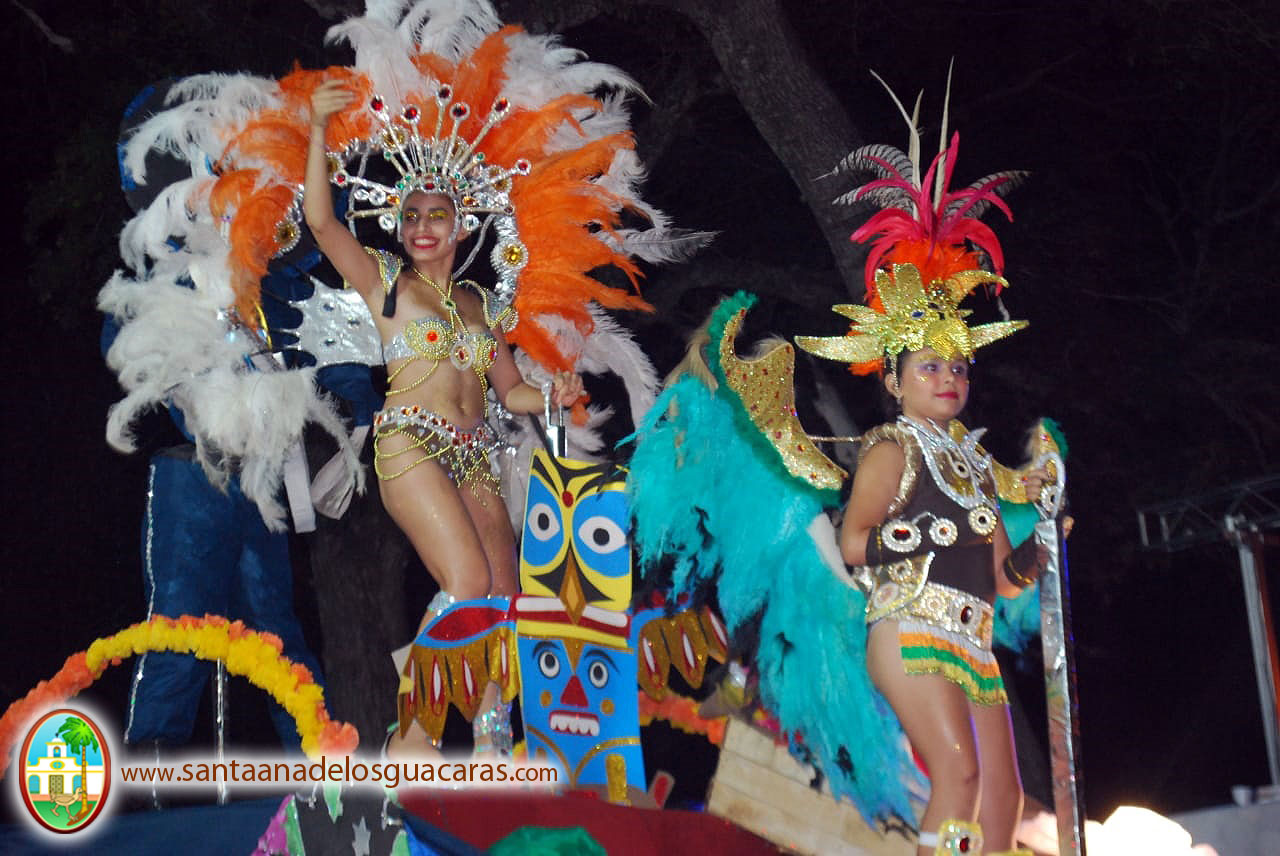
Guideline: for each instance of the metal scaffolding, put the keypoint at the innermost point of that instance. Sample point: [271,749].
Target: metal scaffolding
[1239,515]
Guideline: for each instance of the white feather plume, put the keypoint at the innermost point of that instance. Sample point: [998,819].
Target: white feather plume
[192,126]
[170,215]
[175,347]
[449,28]
[380,53]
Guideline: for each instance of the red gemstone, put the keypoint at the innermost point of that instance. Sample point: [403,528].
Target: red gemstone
[566,498]
[901,534]
[501,104]
[376,103]
[964,844]
[444,93]
[459,111]
[411,114]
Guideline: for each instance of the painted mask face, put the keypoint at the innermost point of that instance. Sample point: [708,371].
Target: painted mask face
[577,662]
[575,544]
[580,706]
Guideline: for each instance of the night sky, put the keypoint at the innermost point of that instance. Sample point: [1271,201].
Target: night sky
[1142,253]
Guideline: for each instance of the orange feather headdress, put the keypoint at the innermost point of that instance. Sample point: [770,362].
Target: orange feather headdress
[506,124]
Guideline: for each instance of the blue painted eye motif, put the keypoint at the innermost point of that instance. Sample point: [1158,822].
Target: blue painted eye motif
[548,663]
[543,539]
[602,534]
[598,674]
[544,521]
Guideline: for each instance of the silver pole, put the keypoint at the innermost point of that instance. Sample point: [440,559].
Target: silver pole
[1060,692]
[557,435]
[1261,634]
[220,721]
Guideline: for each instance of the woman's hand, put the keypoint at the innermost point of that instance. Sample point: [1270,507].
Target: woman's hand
[330,97]
[1034,481]
[566,389]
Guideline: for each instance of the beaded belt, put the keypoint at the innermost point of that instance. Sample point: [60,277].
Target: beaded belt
[464,454]
[945,608]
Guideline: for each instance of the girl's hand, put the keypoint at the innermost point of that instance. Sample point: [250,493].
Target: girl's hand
[1033,481]
[330,97]
[566,389]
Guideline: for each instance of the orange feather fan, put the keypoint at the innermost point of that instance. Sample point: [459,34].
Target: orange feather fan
[478,79]
[558,208]
[253,237]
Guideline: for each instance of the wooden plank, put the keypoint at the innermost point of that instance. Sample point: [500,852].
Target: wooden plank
[774,800]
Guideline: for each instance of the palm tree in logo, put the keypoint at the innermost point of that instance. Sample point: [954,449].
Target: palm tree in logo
[79,737]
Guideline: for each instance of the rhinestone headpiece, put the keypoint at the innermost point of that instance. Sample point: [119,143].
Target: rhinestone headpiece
[437,162]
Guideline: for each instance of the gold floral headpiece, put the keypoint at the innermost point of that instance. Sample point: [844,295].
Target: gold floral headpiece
[915,316]
[928,252]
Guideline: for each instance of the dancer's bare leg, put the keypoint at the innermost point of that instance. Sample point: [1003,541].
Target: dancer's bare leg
[491,521]
[1000,807]
[934,713]
[433,514]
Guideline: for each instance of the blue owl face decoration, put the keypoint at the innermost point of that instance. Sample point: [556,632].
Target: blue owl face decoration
[580,706]
[574,546]
[577,662]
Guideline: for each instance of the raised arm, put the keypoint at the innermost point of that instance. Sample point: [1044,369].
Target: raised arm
[875,485]
[342,249]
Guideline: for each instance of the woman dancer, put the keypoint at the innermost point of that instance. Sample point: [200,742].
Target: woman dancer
[923,513]
[923,517]
[444,347]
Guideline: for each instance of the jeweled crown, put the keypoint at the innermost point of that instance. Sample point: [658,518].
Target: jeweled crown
[439,162]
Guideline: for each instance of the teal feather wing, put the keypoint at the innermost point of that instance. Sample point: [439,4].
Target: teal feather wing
[708,499]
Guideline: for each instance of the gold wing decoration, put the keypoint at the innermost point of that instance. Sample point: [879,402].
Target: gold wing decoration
[684,640]
[454,657]
[1043,450]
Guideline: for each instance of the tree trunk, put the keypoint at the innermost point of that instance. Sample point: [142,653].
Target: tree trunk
[358,570]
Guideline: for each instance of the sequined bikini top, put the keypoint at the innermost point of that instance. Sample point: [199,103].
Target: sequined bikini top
[433,338]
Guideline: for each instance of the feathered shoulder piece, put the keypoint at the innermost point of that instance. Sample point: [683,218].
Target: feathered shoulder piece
[928,251]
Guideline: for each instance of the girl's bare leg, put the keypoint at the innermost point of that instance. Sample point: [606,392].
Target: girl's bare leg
[433,514]
[934,713]
[489,516]
[1001,801]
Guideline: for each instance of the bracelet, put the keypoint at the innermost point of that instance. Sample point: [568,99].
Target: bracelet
[1022,567]
[1012,575]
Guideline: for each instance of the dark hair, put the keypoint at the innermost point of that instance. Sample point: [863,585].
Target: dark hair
[891,365]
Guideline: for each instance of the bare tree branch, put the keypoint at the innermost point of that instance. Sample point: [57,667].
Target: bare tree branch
[63,43]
